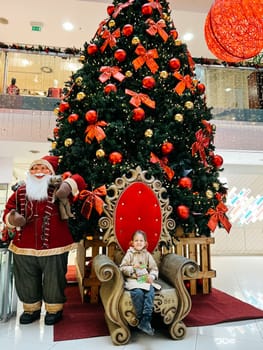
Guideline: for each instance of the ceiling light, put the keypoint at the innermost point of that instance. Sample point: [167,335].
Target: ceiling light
[188,36]
[68,26]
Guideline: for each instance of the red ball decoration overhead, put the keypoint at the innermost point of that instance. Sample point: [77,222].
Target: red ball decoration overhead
[91,116]
[148,82]
[92,49]
[63,106]
[110,88]
[167,148]
[174,63]
[110,9]
[56,131]
[201,88]
[127,30]
[183,212]
[233,29]
[185,182]
[72,118]
[120,55]
[147,9]
[217,160]
[115,158]
[138,114]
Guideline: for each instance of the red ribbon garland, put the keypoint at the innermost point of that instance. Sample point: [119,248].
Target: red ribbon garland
[208,127]
[108,72]
[218,215]
[110,38]
[145,57]
[119,7]
[157,28]
[139,98]
[185,82]
[101,25]
[156,5]
[95,131]
[163,164]
[92,199]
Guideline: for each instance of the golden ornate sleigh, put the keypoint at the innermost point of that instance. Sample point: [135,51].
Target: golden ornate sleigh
[138,201]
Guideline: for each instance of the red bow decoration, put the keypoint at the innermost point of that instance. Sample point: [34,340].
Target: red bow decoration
[95,130]
[218,215]
[101,25]
[110,38]
[163,164]
[108,71]
[157,28]
[155,4]
[190,61]
[119,7]
[185,82]
[139,98]
[201,143]
[92,199]
[146,57]
[208,127]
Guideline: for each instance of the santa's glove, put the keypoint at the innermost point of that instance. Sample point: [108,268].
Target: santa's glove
[14,219]
[64,190]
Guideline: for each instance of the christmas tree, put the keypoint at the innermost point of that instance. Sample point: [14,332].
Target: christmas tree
[136,101]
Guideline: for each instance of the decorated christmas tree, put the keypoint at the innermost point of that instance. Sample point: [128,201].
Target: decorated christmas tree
[136,101]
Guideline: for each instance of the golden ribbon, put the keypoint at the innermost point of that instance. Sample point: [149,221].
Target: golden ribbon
[185,82]
[218,215]
[119,7]
[163,164]
[108,72]
[92,199]
[157,28]
[146,57]
[201,143]
[139,98]
[95,131]
[110,38]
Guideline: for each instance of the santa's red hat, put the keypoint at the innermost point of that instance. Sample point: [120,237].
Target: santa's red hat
[51,162]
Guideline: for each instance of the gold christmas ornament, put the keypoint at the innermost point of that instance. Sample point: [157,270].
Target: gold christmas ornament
[135,40]
[79,81]
[56,111]
[164,74]
[178,42]
[179,117]
[189,105]
[209,194]
[148,133]
[128,74]
[165,16]
[82,58]
[100,153]
[68,142]
[111,23]
[216,186]
[80,96]
[54,144]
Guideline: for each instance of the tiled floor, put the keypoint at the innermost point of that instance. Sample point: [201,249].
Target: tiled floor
[238,276]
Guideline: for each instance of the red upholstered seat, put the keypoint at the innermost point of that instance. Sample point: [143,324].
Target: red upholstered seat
[138,208]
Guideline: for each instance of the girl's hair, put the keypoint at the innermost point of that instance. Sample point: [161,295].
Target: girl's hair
[139,232]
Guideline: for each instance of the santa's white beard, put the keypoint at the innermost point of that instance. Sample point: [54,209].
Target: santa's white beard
[37,188]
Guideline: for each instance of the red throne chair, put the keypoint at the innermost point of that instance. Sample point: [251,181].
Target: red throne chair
[137,201]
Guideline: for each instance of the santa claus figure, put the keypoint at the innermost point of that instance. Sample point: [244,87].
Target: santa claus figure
[42,239]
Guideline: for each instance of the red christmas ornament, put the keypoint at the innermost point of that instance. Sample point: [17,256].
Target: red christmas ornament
[56,132]
[127,30]
[183,212]
[167,148]
[185,182]
[148,82]
[120,55]
[217,161]
[174,63]
[115,158]
[174,33]
[138,114]
[63,106]
[147,10]
[110,9]
[92,49]
[91,116]
[72,118]
[201,88]
[110,87]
